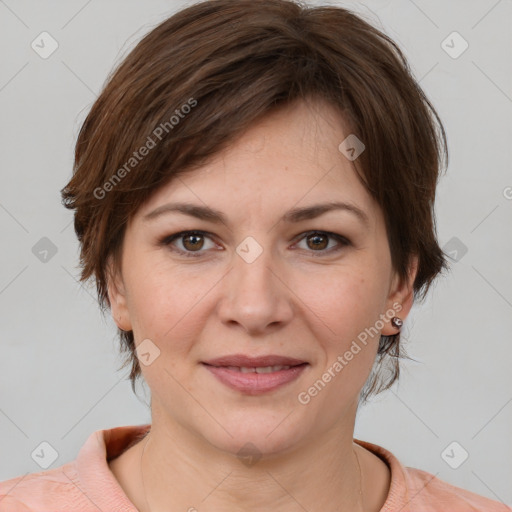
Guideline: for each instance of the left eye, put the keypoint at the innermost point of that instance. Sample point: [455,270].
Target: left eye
[193,241]
[317,239]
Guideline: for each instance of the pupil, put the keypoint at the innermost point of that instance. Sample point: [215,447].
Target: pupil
[195,240]
[316,241]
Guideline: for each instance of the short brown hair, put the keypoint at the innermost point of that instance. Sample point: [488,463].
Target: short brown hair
[230,62]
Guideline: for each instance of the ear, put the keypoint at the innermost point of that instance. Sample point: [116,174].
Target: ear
[400,298]
[117,297]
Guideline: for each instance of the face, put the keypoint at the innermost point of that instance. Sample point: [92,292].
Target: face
[264,280]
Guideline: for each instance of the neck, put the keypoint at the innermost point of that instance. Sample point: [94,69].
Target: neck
[188,473]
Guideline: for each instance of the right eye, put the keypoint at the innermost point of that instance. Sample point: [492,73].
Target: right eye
[191,242]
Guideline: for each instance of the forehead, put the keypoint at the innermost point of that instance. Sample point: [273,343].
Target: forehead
[289,157]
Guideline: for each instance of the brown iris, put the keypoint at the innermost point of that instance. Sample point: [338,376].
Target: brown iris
[195,241]
[316,244]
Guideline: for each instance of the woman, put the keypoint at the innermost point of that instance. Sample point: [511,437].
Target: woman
[253,194]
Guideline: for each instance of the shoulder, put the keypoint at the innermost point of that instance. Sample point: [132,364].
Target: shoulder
[428,493]
[86,484]
[52,489]
[415,490]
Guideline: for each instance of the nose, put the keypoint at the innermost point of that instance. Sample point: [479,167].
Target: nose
[255,295]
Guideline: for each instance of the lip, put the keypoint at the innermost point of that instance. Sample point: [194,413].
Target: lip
[255,383]
[254,362]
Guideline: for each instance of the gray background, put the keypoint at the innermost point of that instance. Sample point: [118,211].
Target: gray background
[59,356]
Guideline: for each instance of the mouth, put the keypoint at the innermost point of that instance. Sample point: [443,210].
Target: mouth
[255,375]
[257,369]
[243,361]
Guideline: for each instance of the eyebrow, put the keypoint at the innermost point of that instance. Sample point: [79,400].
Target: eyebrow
[293,216]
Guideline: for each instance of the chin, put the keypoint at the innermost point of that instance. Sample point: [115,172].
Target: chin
[261,433]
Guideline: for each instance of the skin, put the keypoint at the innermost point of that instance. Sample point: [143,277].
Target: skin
[295,299]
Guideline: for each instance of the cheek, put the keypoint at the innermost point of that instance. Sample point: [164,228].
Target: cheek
[346,302]
[166,306]
[345,309]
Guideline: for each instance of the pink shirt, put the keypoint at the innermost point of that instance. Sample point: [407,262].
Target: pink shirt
[87,484]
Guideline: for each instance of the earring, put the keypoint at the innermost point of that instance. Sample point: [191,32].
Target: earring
[397,322]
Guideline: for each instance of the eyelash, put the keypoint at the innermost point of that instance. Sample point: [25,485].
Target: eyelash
[167,241]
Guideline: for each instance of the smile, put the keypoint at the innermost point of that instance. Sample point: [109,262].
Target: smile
[259,369]
[256,380]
